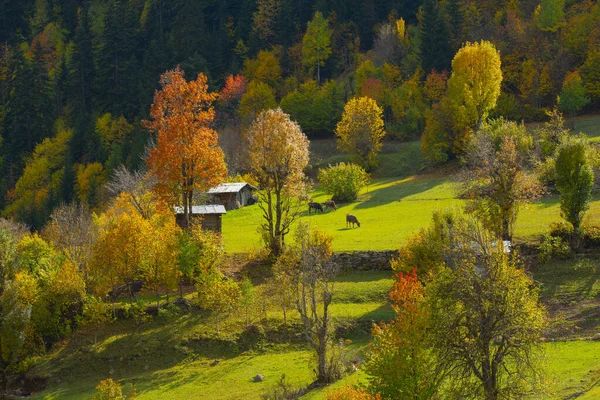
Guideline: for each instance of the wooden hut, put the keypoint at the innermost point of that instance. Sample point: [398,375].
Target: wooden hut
[232,195]
[208,215]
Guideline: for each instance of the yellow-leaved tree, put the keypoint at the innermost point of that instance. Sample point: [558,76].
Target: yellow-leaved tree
[361,131]
[278,155]
[187,155]
[473,88]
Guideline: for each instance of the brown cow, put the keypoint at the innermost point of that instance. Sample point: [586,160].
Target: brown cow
[330,204]
[351,219]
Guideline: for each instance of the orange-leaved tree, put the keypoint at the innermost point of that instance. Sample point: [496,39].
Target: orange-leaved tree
[400,363]
[187,155]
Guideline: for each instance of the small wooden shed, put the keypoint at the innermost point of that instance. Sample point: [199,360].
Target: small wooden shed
[232,195]
[208,215]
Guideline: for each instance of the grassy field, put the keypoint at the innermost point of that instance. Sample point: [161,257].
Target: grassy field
[173,358]
[390,212]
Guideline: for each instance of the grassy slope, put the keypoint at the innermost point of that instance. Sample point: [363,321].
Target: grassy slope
[171,359]
[396,204]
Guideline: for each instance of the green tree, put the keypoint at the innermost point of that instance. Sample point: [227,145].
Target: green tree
[95,314]
[549,14]
[574,181]
[361,130]
[572,97]
[316,43]
[217,293]
[38,189]
[485,319]
[315,108]
[435,40]
[400,363]
[258,97]
[590,72]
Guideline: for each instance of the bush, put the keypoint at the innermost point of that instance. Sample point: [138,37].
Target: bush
[343,181]
[252,337]
[561,230]
[591,235]
[553,246]
[109,390]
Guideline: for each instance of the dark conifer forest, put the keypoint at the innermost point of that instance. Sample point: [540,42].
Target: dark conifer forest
[78,77]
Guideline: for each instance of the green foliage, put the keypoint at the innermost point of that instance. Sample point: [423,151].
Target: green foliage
[258,97]
[574,181]
[315,108]
[217,293]
[95,314]
[109,390]
[572,97]
[343,181]
[549,14]
[590,72]
[553,247]
[316,43]
[38,189]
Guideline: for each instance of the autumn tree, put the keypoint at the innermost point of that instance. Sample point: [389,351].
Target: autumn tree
[187,156]
[316,43]
[278,156]
[258,97]
[572,97]
[217,293]
[361,131]
[590,72]
[495,178]
[574,181]
[473,87]
[315,276]
[485,319]
[400,363]
[72,230]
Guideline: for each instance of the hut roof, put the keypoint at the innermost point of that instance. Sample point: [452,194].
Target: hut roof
[203,210]
[230,187]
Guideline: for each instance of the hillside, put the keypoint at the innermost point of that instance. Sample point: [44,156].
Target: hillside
[173,355]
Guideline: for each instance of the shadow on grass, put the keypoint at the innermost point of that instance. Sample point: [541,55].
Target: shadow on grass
[397,191]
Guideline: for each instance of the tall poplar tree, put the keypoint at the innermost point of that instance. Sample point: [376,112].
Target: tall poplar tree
[316,44]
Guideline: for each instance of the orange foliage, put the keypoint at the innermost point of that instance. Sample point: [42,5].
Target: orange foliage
[235,87]
[187,155]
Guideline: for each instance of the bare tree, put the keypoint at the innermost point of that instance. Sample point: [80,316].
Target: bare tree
[315,286]
[136,184]
[495,178]
[71,229]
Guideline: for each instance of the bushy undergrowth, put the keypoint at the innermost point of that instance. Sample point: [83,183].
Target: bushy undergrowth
[343,181]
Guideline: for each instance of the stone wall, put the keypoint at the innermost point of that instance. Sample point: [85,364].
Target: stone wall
[365,260]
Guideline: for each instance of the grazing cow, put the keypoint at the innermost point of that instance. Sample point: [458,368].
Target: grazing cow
[330,204]
[315,206]
[351,219]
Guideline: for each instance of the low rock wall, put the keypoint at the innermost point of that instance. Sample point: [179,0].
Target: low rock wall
[365,260]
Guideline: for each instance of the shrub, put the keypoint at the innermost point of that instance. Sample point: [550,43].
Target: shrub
[591,235]
[343,181]
[350,393]
[109,390]
[561,230]
[553,246]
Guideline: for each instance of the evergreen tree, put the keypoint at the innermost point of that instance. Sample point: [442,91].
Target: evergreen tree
[117,62]
[455,17]
[435,46]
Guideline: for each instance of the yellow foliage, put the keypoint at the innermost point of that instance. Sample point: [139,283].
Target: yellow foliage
[361,130]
